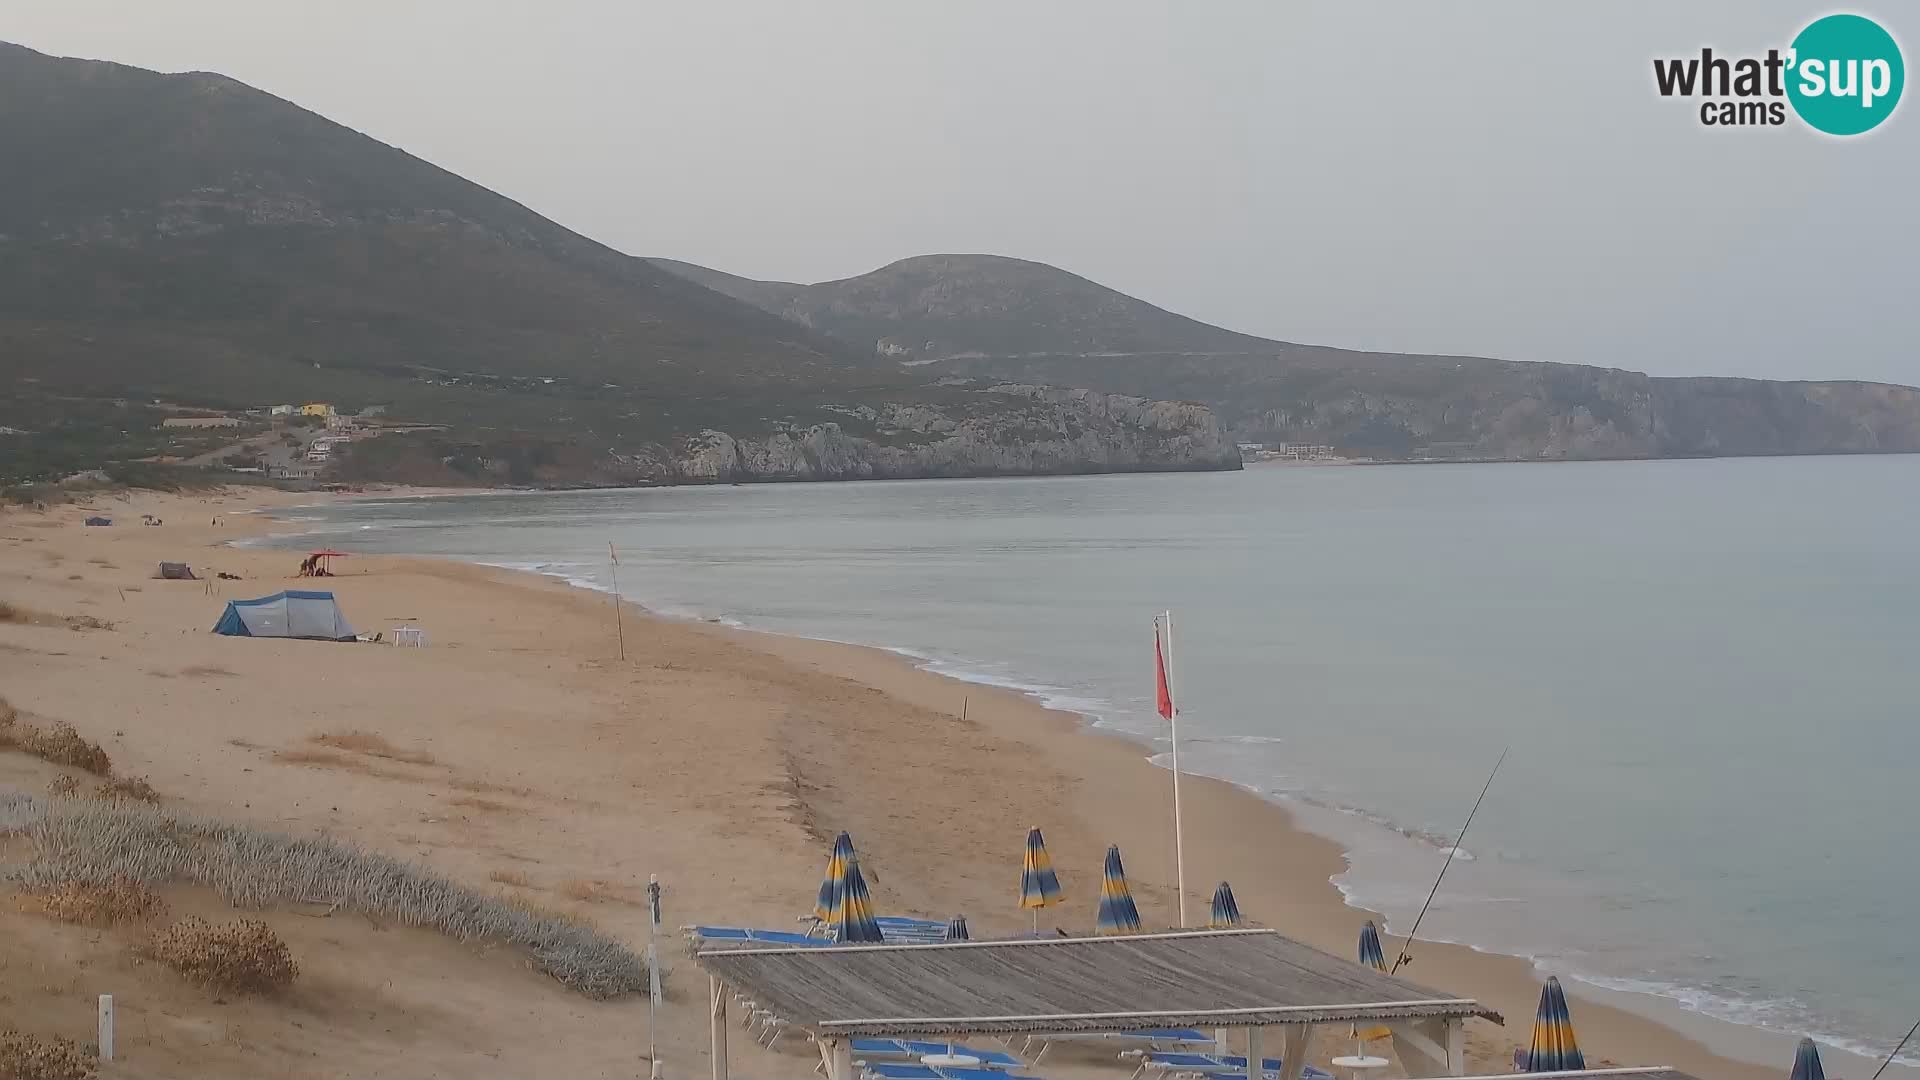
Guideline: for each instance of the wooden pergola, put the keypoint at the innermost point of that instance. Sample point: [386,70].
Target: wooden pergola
[1251,980]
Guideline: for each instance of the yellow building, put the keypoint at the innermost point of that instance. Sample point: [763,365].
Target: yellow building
[318,408]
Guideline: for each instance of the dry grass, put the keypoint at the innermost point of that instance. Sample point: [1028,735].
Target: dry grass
[60,744]
[587,892]
[208,671]
[533,908]
[63,785]
[103,562]
[126,787]
[76,577]
[510,877]
[244,956]
[478,803]
[120,900]
[89,840]
[10,613]
[43,1057]
[372,745]
[8,714]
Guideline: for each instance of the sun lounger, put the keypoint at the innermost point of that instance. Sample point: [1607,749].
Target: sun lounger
[1166,1039]
[925,1072]
[1211,1065]
[740,933]
[997,1061]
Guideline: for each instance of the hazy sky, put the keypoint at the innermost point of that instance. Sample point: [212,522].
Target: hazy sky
[1490,179]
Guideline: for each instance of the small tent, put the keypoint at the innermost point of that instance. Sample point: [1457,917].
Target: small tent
[177,571]
[287,614]
[98,520]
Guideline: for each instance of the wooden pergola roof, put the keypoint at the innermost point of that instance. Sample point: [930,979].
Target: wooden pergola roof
[1223,978]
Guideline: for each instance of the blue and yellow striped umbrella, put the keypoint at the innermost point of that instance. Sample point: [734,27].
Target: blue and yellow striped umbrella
[853,908]
[1371,956]
[1370,951]
[836,871]
[1117,913]
[956,929]
[1226,912]
[1039,887]
[1554,1048]
[1806,1062]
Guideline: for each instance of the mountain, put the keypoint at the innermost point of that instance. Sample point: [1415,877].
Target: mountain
[188,238]
[984,316]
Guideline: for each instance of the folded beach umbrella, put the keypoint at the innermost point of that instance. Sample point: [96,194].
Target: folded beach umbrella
[1806,1062]
[836,872]
[956,929]
[853,908]
[1117,913]
[1039,887]
[1225,913]
[1371,956]
[1554,1048]
[1370,952]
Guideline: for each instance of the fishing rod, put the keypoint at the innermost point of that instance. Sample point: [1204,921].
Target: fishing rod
[1896,1051]
[1406,958]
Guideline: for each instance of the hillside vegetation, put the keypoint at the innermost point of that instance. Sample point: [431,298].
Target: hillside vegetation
[190,239]
[984,316]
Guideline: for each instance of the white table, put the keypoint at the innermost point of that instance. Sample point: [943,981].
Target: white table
[410,635]
[1359,1064]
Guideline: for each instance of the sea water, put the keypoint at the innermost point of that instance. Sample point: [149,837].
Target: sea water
[1705,671]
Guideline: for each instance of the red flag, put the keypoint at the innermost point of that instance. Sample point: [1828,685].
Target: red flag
[1163,697]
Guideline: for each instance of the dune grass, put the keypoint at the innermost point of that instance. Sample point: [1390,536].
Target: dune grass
[244,956]
[95,841]
[44,1057]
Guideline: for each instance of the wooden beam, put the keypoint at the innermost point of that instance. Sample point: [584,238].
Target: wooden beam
[1254,1060]
[1293,1058]
[717,1018]
[1422,1048]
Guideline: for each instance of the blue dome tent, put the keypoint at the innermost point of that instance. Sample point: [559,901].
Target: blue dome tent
[290,614]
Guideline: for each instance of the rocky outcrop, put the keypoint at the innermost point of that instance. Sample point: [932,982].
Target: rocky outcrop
[1062,431]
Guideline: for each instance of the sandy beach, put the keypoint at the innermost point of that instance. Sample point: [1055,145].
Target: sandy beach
[518,753]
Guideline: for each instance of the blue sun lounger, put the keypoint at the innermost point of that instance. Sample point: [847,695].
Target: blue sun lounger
[925,1072]
[741,933]
[1163,1039]
[1214,1065]
[908,1051]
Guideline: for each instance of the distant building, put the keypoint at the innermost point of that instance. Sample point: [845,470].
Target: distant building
[280,410]
[199,422]
[318,408]
[381,410]
[1303,452]
[336,422]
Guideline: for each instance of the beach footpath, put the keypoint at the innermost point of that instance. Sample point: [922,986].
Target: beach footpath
[517,758]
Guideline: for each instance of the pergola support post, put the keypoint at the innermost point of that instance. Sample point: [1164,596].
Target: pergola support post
[717,1017]
[1435,1047]
[1293,1059]
[1255,1056]
[837,1053]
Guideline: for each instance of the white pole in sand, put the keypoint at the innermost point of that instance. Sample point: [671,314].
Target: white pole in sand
[106,1027]
[653,975]
[1179,846]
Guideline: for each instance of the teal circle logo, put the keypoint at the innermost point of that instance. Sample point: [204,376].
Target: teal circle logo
[1845,74]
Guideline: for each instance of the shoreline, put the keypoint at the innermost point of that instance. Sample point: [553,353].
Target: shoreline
[1729,1043]
[921,811]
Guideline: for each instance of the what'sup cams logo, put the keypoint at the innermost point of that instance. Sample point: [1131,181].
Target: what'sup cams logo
[1842,76]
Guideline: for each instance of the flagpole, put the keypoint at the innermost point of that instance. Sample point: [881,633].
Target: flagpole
[1179,845]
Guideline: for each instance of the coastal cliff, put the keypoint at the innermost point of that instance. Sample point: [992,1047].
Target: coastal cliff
[1001,430]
